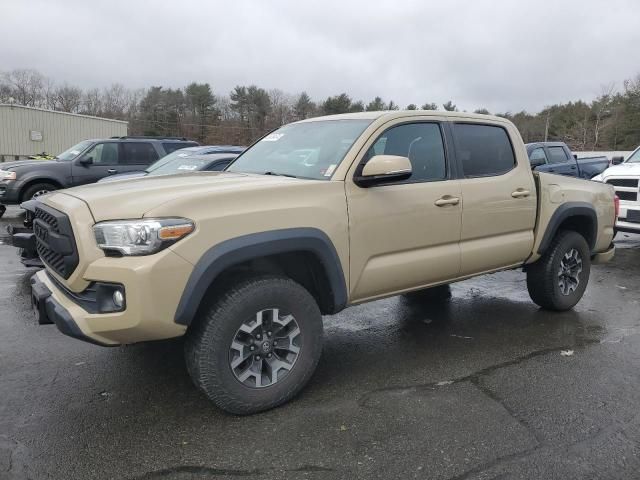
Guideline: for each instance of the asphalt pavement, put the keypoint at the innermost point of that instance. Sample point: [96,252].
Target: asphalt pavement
[483,385]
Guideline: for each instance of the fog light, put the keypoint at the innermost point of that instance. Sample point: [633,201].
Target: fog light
[118,298]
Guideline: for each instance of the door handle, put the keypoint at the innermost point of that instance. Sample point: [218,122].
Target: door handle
[520,193]
[446,200]
[111,171]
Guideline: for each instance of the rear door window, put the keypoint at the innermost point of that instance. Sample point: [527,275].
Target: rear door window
[557,155]
[139,153]
[485,150]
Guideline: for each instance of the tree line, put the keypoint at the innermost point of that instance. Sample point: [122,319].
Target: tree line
[609,122]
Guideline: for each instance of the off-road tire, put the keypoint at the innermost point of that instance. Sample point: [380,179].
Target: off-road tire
[543,275]
[208,342]
[32,190]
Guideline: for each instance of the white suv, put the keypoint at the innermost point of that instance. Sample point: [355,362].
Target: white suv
[625,178]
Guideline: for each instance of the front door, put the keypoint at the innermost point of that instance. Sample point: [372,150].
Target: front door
[100,161]
[404,234]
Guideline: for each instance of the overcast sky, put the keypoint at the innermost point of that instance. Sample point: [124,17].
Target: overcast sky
[503,55]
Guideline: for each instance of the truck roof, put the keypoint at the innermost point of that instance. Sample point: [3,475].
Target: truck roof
[391,114]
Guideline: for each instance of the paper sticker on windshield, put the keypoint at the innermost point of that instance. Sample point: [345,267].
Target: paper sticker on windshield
[75,152]
[182,155]
[273,137]
[330,170]
[187,167]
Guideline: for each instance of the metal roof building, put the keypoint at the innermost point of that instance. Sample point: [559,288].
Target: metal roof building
[28,131]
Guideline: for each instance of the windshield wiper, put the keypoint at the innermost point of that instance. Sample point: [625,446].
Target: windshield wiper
[278,174]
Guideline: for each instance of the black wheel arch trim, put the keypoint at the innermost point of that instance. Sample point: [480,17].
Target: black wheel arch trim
[247,247]
[564,212]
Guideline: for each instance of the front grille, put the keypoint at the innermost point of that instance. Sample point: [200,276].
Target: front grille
[55,243]
[627,196]
[623,182]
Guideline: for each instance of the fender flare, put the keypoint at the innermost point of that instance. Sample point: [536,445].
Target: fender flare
[247,247]
[562,213]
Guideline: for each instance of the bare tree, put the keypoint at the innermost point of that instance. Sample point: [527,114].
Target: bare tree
[602,107]
[92,102]
[114,101]
[26,86]
[68,98]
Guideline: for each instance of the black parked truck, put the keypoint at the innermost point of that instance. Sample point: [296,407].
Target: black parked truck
[86,162]
[555,157]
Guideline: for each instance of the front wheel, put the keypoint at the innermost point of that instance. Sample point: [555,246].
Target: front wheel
[257,346]
[559,278]
[37,190]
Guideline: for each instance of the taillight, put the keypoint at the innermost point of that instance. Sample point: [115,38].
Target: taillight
[616,203]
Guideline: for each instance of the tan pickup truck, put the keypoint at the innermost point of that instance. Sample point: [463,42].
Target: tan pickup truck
[315,216]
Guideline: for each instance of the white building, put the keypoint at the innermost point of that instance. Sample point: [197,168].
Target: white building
[26,131]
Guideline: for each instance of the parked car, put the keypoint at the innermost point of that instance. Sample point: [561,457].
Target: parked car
[624,175]
[24,239]
[173,161]
[86,162]
[245,262]
[555,157]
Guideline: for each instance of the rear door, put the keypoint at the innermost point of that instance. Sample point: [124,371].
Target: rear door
[101,160]
[498,197]
[138,156]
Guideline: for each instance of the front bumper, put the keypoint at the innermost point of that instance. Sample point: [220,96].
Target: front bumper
[10,192]
[152,284]
[49,310]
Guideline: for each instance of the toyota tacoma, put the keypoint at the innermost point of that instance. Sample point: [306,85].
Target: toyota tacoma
[316,216]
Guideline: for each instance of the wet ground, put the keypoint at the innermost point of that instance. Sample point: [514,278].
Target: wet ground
[482,386]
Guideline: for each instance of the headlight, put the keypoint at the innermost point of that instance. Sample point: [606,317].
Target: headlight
[141,237]
[6,175]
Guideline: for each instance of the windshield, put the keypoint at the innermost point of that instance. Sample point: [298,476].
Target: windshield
[305,150]
[180,165]
[635,157]
[74,151]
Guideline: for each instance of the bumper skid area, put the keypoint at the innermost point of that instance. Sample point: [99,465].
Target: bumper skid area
[48,311]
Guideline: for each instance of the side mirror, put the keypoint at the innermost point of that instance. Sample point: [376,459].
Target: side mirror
[86,161]
[617,160]
[575,156]
[536,162]
[384,169]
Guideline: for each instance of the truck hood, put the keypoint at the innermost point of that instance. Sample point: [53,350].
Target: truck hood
[133,198]
[21,163]
[623,169]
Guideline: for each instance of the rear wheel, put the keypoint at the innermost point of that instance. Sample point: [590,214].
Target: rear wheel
[256,346]
[559,278]
[38,189]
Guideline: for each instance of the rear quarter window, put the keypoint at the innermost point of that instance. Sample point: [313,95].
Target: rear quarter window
[484,150]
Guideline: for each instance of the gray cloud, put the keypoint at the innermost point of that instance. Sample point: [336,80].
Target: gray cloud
[502,55]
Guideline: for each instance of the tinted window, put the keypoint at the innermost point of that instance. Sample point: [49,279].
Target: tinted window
[483,149]
[218,166]
[104,154]
[557,155]
[538,154]
[173,146]
[421,143]
[139,153]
